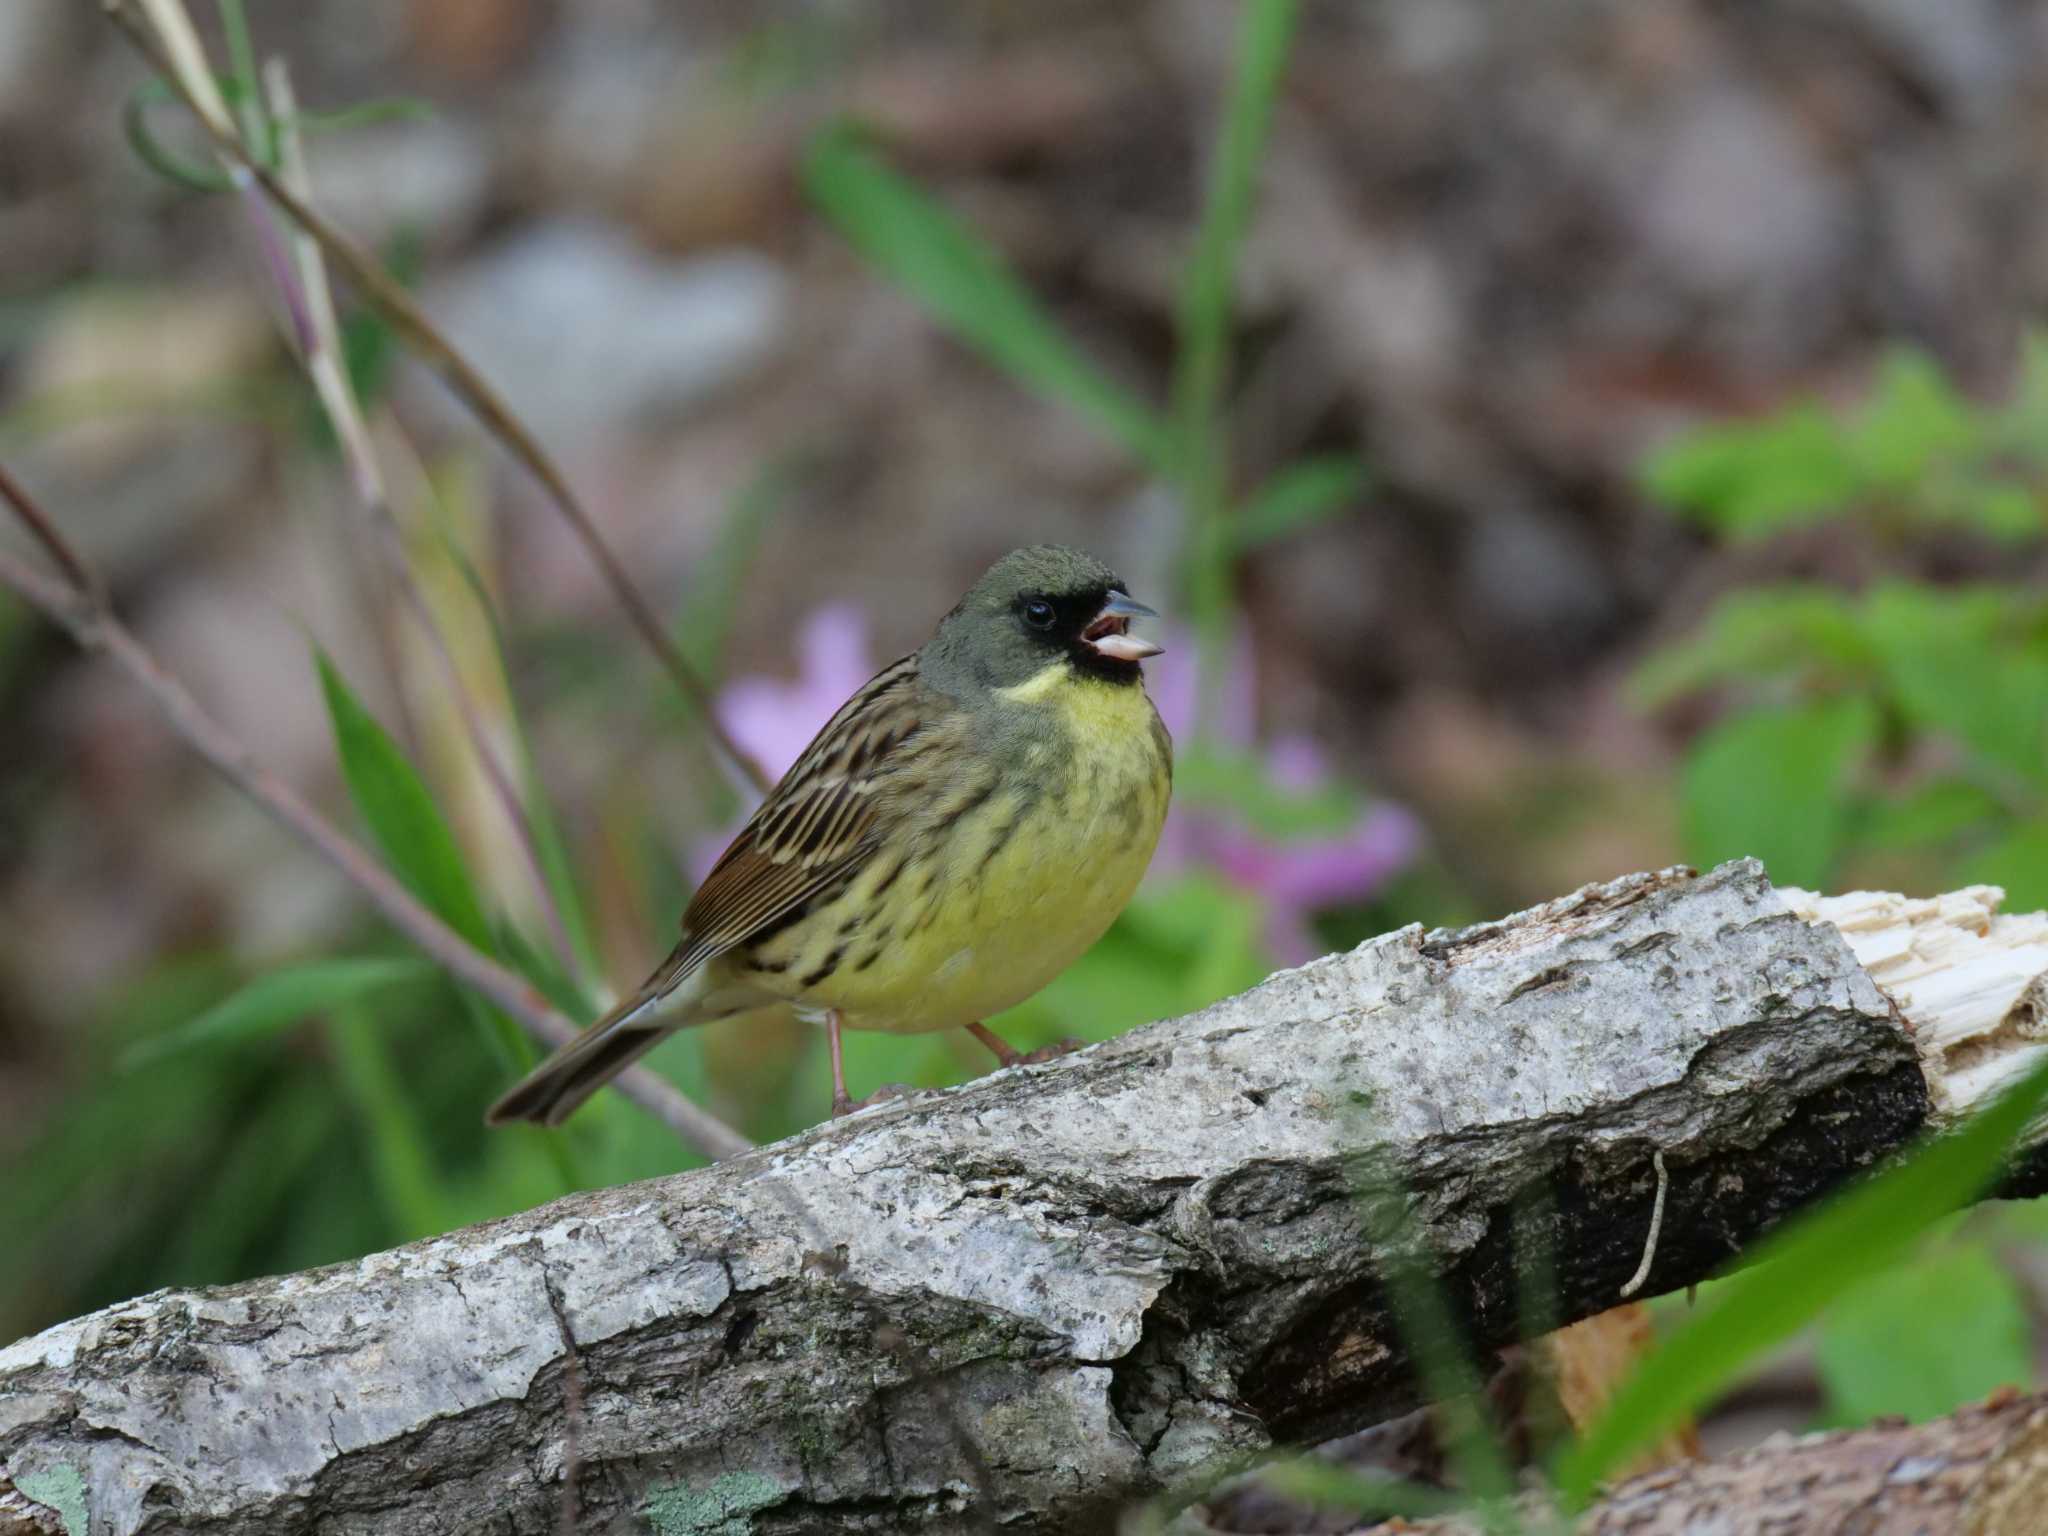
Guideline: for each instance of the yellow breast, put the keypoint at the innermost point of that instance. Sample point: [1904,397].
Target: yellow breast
[1018,887]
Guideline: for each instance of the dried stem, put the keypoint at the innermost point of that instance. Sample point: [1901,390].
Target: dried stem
[42,592]
[310,301]
[84,580]
[398,310]
[83,610]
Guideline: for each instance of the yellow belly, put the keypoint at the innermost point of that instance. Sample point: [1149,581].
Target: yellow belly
[977,931]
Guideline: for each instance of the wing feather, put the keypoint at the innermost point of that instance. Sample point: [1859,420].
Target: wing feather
[815,830]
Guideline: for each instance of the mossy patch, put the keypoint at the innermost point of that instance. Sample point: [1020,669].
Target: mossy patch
[725,1507]
[61,1489]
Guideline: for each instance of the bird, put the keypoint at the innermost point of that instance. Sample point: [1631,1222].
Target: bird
[968,824]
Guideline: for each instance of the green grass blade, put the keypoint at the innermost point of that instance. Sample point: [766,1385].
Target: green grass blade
[717,586]
[922,247]
[407,1182]
[277,1001]
[1265,34]
[1796,1273]
[409,827]
[257,1176]
[246,92]
[395,803]
[1332,1486]
[1300,496]
[1443,1362]
[556,866]
[539,966]
[1200,468]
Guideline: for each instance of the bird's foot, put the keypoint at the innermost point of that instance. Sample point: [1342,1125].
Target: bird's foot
[1062,1047]
[1008,1056]
[842,1105]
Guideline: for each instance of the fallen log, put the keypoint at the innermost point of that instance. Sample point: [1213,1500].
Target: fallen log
[1035,1298]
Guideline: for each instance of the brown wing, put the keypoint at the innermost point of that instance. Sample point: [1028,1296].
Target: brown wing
[811,833]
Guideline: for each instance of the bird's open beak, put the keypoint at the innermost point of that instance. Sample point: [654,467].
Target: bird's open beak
[1109,631]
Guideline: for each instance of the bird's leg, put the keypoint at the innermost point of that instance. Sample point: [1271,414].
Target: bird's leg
[1009,1056]
[841,1104]
[1006,1053]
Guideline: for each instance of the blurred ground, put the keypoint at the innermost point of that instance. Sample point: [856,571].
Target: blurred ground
[1502,250]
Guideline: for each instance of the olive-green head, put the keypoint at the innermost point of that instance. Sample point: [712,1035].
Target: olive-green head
[1033,608]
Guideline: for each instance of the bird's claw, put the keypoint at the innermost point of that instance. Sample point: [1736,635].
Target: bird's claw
[1053,1052]
[842,1105]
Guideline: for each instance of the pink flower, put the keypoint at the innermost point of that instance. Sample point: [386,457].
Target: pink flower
[774,721]
[1297,877]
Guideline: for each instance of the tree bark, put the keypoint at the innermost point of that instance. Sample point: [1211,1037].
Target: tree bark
[1982,1471]
[1030,1300]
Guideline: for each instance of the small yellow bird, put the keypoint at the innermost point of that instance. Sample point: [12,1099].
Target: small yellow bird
[963,828]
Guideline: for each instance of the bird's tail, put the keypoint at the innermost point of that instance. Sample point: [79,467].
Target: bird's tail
[552,1091]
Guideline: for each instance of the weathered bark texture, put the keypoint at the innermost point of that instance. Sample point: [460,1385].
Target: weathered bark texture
[1983,1471]
[1034,1298]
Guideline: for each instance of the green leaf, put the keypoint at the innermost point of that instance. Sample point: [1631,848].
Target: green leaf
[2000,509]
[1298,497]
[1771,783]
[1914,420]
[1924,1339]
[277,1001]
[400,812]
[1755,479]
[1793,1275]
[2021,429]
[2019,862]
[1767,631]
[1934,813]
[1970,664]
[408,826]
[921,246]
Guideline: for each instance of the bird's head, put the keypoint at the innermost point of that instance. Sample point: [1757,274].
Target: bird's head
[1040,607]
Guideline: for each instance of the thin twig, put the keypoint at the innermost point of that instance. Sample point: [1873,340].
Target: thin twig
[307,294]
[83,578]
[42,592]
[95,626]
[384,294]
[1642,1273]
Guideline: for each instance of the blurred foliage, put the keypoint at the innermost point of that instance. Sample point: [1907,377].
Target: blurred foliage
[1918,455]
[1897,729]
[1904,717]
[1879,1356]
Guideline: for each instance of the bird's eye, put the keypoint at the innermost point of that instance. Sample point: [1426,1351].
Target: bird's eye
[1038,613]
